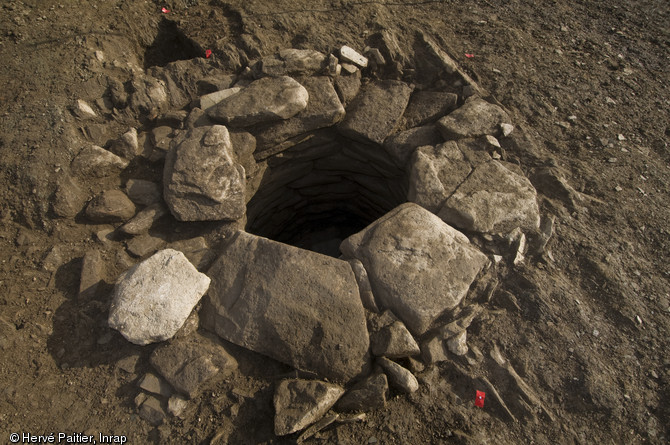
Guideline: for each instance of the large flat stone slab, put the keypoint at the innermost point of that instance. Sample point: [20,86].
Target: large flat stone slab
[296,306]
[323,110]
[375,113]
[418,266]
[201,180]
[263,101]
[493,199]
[291,61]
[476,117]
[152,299]
[435,172]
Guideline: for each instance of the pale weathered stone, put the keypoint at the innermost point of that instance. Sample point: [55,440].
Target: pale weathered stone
[201,180]
[425,107]
[187,363]
[152,299]
[323,110]
[126,146]
[96,161]
[299,403]
[110,206]
[291,61]
[177,405]
[145,218]
[349,54]
[143,192]
[493,200]
[263,101]
[476,117]
[83,110]
[419,267]
[297,306]
[435,172]
[376,111]
[399,377]
[209,100]
[92,274]
[401,146]
[366,395]
[458,343]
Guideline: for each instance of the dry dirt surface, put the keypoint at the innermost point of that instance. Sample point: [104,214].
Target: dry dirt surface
[585,324]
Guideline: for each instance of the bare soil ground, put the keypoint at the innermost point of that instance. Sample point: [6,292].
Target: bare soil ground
[585,325]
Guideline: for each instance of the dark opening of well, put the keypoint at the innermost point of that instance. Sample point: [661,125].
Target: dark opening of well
[315,197]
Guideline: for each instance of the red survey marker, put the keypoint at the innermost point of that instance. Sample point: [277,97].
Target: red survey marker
[479,399]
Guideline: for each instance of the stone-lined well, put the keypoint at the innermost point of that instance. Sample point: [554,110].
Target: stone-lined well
[390,180]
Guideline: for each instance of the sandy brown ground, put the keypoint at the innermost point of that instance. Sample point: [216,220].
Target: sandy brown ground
[589,332]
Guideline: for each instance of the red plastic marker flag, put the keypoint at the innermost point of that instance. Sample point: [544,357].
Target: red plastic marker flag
[164,10]
[479,399]
[469,56]
[208,53]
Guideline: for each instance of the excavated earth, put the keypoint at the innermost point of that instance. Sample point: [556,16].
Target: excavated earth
[479,206]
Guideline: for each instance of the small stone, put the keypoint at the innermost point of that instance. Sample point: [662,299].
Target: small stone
[143,245]
[142,222]
[176,405]
[621,137]
[596,333]
[91,275]
[83,110]
[612,160]
[432,351]
[145,312]
[152,411]
[143,192]
[349,68]
[458,344]
[188,362]
[366,395]
[154,385]
[398,376]
[350,55]
[393,340]
[98,162]
[128,364]
[196,250]
[299,403]
[653,374]
[375,57]
[140,398]
[68,199]
[127,146]
[110,206]
[334,66]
